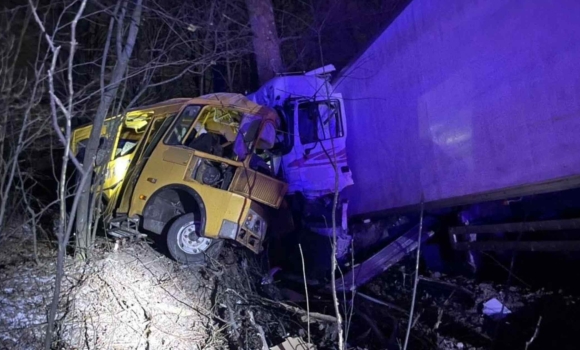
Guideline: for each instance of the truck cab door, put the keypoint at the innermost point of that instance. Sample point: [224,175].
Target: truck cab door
[319,148]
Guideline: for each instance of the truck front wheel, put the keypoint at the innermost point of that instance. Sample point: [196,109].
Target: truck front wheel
[185,243]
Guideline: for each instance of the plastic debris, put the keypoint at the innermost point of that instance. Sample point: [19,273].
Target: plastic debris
[293,343]
[494,308]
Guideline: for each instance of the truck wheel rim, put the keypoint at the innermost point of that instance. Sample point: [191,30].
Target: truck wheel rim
[190,242]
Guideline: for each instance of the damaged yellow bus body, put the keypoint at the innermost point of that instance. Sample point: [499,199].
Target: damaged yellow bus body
[195,171]
[119,138]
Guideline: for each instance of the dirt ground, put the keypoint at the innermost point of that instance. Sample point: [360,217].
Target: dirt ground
[134,297]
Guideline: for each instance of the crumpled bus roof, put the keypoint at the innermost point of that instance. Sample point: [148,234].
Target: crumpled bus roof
[139,115]
[239,102]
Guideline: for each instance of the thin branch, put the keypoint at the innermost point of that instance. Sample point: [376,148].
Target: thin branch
[416,281]
[382,302]
[529,342]
[305,290]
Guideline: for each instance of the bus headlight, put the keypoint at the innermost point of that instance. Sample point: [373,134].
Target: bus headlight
[256,224]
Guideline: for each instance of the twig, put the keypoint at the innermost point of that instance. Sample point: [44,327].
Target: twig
[529,342]
[305,291]
[416,281]
[373,327]
[440,312]
[334,264]
[506,269]
[173,310]
[354,291]
[261,333]
[316,315]
[383,303]
[448,284]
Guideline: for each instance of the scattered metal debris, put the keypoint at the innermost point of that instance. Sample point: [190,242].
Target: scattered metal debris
[384,259]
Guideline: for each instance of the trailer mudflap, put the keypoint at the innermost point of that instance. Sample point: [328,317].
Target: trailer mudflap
[525,236]
[385,258]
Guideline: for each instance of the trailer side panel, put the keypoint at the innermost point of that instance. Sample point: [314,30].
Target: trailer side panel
[459,98]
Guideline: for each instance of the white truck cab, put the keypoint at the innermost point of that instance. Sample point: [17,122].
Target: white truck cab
[312,143]
[310,154]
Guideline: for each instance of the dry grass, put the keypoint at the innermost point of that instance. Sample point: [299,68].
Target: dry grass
[138,299]
[25,291]
[134,298]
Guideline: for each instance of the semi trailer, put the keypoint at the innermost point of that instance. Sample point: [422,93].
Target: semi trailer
[450,108]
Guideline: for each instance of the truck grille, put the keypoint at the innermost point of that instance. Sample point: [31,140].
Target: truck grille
[259,187]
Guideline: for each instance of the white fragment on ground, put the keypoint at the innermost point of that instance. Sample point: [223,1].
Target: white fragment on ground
[293,343]
[494,308]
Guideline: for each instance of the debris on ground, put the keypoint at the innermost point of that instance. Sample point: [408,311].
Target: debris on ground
[138,298]
[450,312]
[132,298]
[259,316]
[494,308]
[293,343]
[25,292]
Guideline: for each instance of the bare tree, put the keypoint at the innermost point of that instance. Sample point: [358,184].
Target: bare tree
[125,21]
[21,124]
[58,106]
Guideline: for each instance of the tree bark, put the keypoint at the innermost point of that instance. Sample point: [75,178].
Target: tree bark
[265,40]
[108,95]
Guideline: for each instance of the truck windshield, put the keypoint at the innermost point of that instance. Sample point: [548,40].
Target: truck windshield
[319,121]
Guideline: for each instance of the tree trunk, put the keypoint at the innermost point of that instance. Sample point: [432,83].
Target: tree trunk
[266,43]
[108,95]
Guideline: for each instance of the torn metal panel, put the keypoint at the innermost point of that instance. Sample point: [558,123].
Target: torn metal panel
[385,258]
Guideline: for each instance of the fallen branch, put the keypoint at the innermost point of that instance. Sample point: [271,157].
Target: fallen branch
[381,302]
[261,333]
[529,342]
[304,313]
[447,284]
[174,310]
